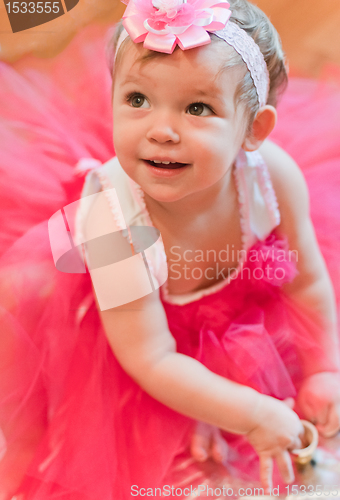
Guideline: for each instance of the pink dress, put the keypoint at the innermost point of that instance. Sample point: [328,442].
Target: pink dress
[74,425]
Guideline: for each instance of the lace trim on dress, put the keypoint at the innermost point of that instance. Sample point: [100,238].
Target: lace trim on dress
[121,224]
[267,190]
[106,185]
[243,200]
[139,197]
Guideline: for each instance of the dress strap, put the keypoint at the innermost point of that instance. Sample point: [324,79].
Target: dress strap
[145,270]
[259,207]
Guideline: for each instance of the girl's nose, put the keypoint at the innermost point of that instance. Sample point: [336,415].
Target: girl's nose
[163,131]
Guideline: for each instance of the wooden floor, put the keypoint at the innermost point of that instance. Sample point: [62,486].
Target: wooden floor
[309,29]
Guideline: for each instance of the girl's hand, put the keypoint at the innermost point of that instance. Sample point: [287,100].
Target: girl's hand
[207,442]
[319,401]
[278,431]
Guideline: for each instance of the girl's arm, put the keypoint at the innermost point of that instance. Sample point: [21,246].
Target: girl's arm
[319,396]
[140,338]
[312,286]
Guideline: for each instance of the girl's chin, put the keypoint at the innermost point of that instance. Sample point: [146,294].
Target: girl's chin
[163,195]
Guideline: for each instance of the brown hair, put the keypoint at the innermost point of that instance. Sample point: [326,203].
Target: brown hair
[252,20]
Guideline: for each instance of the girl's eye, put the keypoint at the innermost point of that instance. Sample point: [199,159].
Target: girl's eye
[199,109]
[138,101]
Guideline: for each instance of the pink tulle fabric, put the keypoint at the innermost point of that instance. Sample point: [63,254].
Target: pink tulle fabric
[74,425]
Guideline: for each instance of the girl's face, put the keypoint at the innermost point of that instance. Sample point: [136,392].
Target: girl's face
[180,109]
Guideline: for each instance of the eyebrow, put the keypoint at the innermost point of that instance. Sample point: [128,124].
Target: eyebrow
[212,92]
[130,79]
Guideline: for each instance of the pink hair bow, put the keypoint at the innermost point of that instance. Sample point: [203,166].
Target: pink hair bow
[161,24]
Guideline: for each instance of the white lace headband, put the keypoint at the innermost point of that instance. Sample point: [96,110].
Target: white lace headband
[163,24]
[251,54]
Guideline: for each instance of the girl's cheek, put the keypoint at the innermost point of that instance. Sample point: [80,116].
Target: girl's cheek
[125,128]
[121,133]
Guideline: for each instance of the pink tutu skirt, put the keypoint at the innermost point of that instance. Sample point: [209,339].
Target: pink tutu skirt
[74,425]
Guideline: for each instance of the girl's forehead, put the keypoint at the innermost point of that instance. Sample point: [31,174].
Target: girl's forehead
[199,64]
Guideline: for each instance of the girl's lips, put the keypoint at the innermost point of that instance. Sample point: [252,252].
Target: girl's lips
[162,170]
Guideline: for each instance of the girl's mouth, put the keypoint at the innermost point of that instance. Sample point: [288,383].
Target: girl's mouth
[166,164]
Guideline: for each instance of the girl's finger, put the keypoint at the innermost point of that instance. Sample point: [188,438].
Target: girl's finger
[284,463]
[266,472]
[219,447]
[297,444]
[332,426]
[200,442]
[290,402]
[306,409]
[322,415]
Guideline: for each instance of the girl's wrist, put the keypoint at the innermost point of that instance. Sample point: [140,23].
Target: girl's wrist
[257,412]
[253,413]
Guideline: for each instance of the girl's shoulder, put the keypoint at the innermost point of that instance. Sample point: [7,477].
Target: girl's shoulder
[280,164]
[287,179]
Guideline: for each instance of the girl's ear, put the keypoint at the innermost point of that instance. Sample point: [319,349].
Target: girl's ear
[263,124]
